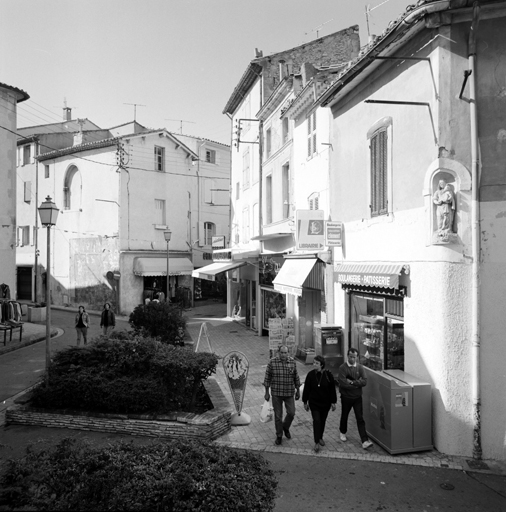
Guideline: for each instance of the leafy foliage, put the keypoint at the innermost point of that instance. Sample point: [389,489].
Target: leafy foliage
[183,476]
[136,375]
[159,320]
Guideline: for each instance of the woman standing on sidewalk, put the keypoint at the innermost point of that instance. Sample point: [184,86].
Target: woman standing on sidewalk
[82,323]
[320,396]
[107,320]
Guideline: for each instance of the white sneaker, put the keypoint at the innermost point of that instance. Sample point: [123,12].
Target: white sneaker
[366,444]
[343,437]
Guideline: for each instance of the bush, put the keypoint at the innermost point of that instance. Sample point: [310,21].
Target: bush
[130,376]
[159,320]
[164,476]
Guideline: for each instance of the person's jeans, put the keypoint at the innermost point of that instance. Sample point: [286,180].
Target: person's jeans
[277,405]
[82,331]
[319,415]
[347,404]
[107,329]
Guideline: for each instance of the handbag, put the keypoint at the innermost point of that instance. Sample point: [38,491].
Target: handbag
[266,412]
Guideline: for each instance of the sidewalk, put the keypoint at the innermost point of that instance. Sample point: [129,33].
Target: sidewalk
[226,335]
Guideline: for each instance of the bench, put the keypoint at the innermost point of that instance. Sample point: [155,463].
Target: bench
[9,328]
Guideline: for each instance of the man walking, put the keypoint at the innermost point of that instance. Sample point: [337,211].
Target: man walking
[282,378]
[352,379]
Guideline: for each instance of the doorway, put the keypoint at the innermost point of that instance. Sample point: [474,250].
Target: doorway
[24,283]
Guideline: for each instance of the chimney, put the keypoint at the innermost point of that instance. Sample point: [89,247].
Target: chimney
[78,136]
[282,70]
[67,113]
[307,71]
[258,53]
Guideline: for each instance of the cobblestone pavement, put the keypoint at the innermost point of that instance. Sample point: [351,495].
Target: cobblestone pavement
[226,335]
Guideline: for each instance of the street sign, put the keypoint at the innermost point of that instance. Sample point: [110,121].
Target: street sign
[333,234]
[310,230]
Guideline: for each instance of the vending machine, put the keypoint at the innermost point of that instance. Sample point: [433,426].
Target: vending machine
[398,411]
[329,343]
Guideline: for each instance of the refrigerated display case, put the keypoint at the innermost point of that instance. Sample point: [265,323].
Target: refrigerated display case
[329,343]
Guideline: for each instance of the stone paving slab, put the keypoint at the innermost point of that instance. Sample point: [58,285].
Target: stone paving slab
[227,335]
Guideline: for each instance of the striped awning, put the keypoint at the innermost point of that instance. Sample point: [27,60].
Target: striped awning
[210,272]
[366,274]
[296,274]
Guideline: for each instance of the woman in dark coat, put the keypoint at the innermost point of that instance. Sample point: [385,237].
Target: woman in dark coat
[320,396]
[107,320]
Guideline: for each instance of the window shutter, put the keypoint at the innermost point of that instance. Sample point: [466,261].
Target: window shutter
[383,206]
[32,235]
[202,234]
[316,203]
[309,152]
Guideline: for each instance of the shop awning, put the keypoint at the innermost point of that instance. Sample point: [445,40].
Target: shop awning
[210,272]
[298,273]
[158,266]
[365,274]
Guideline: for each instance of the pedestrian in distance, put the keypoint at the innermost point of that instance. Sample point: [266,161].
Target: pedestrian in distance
[352,379]
[82,324]
[282,378]
[107,319]
[319,396]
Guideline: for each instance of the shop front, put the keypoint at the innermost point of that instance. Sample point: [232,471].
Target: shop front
[375,305]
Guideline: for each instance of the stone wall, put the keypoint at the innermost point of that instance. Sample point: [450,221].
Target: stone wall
[207,426]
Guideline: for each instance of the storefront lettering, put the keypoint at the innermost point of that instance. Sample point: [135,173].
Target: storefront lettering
[367,280]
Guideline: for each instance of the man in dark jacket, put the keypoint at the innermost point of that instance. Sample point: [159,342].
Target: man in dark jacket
[352,379]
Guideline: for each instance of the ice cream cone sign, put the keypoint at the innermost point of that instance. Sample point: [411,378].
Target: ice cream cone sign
[236,366]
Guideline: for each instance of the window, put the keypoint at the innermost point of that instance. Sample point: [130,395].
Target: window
[314,200]
[159,159]
[24,235]
[160,212]
[245,169]
[268,199]
[255,220]
[245,225]
[26,154]
[237,188]
[311,135]
[286,191]
[286,130]
[46,171]
[268,143]
[379,192]
[27,191]
[210,156]
[70,189]
[209,232]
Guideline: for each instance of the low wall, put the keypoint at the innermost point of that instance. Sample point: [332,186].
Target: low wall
[207,426]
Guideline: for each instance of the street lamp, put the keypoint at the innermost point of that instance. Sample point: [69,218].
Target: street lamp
[167,234]
[48,213]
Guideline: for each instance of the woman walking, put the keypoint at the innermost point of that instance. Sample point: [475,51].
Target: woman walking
[107,320]
[320,396]
[82,323]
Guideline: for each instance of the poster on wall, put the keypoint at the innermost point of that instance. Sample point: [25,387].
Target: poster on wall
[274,306]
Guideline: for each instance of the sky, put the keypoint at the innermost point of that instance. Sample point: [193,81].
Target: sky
[178,60]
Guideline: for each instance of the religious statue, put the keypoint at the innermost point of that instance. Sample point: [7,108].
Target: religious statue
[444,199]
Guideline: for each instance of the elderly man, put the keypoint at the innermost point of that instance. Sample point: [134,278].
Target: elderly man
[282,378]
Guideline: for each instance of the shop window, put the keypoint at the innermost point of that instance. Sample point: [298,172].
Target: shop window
[377,331]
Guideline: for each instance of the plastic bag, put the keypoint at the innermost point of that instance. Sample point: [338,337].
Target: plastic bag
[266,413]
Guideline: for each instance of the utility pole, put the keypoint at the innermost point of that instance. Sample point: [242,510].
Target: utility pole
[181,121]
[135,105]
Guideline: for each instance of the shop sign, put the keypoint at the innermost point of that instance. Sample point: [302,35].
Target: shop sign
[333,234]
[218,242]
[379,280]
[310,230]
[222,256]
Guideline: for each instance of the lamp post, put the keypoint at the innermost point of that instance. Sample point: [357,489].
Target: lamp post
[48,213]
[167,234]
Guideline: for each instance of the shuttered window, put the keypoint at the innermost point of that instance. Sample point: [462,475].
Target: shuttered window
[379,191]
[311,135]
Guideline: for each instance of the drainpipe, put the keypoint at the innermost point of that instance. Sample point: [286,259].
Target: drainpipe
[475,237]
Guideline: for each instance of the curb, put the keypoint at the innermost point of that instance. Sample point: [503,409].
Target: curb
[56,332]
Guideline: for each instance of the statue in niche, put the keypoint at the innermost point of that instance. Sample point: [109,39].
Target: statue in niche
[444,199]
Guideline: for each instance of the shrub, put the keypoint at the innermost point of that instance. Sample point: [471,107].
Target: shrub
[165,476]
[130,376]
[159,320]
